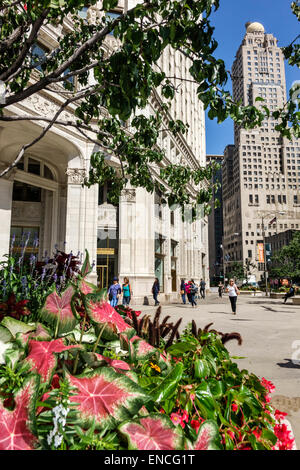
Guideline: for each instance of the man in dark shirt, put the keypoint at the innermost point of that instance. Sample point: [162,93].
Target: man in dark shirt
[202,288]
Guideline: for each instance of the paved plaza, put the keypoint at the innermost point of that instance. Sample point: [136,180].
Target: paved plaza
[270,331]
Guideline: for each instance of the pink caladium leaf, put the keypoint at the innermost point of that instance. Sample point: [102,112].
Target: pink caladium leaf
[41,334]
[115,363]
[86,287]
[105,397]
[17,426]
[58,310]
[103,314]
[86,266]
[143,350]
[208,436]
[152,432]
[42,356]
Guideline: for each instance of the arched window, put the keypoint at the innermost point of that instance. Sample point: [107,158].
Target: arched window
[36,167]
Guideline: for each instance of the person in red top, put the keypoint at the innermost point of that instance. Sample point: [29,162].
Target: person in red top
[188,291]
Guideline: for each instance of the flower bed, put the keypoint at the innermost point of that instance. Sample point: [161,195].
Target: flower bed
[76,374]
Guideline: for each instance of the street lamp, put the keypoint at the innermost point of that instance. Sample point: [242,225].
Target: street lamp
[266,274]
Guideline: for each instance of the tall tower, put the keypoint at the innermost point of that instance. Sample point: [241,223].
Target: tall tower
[264,167]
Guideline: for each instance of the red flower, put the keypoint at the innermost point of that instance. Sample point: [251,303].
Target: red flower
[234,407]
[231,434]
[279,415]
[257,433]
[285,442]
[195,424]
[268,385]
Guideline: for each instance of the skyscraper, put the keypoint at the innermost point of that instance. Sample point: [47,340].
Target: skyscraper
[263,168]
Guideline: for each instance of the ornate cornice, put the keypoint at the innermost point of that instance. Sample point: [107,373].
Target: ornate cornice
[76,175]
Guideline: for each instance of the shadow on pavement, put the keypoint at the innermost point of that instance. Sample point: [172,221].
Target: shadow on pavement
[241,319]
[290,364]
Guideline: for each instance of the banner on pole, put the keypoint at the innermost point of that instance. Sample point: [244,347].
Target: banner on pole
[260,252]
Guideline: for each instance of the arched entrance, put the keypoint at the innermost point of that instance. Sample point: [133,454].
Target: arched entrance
[34,207]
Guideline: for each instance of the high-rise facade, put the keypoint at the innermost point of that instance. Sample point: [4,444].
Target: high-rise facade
[261,172]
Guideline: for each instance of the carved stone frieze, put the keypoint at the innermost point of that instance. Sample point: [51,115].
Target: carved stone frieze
[76,175]
[128,195]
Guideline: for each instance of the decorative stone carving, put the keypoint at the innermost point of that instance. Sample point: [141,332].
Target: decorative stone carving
[76,175]
[94,14]
[128,195]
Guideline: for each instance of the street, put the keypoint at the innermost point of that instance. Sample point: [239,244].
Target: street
[271,341]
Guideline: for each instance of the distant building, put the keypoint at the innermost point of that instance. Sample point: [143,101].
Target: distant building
[261,172]
[215,224]
[279,240]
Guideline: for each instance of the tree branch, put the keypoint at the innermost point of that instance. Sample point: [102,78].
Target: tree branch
[51,123]
[28,43]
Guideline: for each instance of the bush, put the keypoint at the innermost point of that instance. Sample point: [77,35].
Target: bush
[183,393]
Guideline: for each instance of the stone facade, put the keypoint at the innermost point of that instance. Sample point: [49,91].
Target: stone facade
[140,238]
[261,172]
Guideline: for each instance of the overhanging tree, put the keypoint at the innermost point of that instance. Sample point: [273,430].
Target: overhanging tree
[122,84]
[286,263]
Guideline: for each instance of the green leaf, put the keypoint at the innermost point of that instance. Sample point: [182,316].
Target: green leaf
[169,385]
[201,369]
[16,326]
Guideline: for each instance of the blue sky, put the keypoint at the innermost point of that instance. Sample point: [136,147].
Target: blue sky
[229,22]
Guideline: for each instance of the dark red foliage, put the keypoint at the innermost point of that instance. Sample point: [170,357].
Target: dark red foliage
[62,264]
[12,308]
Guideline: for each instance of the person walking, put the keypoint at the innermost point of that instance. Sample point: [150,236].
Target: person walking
[193,292]
[233,292]
[220,289]
[188,291]
[289,294]
[182,291]
[114,291]
[127,292]
[156,290]
[202,288]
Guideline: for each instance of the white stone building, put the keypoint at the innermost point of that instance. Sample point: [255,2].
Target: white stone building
[140,238]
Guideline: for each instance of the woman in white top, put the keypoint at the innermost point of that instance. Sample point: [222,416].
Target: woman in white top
[233,292]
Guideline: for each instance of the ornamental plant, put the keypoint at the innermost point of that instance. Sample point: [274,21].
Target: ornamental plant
[88,381]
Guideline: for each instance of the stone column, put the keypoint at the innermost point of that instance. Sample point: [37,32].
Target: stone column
[81,217]
[6,188]
[136,241]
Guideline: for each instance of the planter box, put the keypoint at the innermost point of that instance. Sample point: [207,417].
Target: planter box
[277,295]
[257,293]
[296,300]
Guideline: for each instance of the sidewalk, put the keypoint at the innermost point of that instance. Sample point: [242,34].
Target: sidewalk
[271,341]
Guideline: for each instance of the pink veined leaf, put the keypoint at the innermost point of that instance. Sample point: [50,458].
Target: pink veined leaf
[16,426]
[86,287]
[102,313]
[142,348]
[58,310]
[105,397]
[86,267]
[42,358]
[207,436]
[41,333]
[153,432]
[115,363]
